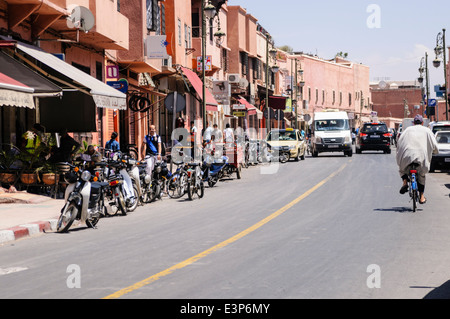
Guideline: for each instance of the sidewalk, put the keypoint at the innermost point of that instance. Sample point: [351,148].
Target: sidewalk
[23,214]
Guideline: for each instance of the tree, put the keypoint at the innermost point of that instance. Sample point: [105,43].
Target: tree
[286,48]
[341,54]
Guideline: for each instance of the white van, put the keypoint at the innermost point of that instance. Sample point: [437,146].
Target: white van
[331,133]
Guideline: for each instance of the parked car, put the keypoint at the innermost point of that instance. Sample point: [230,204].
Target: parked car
[441,160]
[288,138]
[373,136]
[440,126]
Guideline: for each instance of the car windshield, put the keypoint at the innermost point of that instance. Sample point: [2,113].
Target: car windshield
[374,128]
[281,136]
[332,125]
[443,138]
[441,128]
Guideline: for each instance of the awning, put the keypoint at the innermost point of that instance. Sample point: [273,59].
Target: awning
[277,102]
[21,73]
[250,108]
[102,94]
[14,93]
[211,103]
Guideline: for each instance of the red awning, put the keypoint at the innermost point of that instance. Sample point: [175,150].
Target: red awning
[250,108]
[7,82]
[277,102]
[15,93]
[211,103]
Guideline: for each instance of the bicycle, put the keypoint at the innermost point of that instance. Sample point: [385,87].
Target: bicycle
[413,185]
[178,183]
[195,181]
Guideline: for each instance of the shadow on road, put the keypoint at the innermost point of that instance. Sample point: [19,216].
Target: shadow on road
[397,210]
[441,292]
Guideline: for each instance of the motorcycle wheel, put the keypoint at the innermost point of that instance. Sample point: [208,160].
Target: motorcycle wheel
[120,202]
[190,190]
[212,181]
[92,222]
[132,207]
[284,158]
[201,190]
[67,218]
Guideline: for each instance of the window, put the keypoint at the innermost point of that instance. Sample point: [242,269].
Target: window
[186,36]
[334,97]
[349,99]
[224,60]
[179,32]
[244,63]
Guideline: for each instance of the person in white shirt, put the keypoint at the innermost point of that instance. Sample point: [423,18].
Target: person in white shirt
[228,134]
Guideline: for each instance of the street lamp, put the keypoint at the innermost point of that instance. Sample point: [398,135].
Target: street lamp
[424,69]
[272,53]
[209,11]
[441,50]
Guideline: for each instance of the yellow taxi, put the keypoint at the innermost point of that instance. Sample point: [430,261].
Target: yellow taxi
[288,139]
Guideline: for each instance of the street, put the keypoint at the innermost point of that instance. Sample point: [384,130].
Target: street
[327,227]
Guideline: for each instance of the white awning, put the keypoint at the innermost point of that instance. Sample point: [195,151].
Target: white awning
[104,95]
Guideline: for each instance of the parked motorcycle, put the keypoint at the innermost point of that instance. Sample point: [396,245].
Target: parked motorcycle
[153,186]
[118,168]
[214,169]
[84,200]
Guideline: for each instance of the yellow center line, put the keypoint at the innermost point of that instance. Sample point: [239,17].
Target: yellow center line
[223,244]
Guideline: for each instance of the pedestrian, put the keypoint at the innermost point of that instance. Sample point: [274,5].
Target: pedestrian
[112,145]
[207,134]
[228,134]
[67,149]
[218,136]
[151,149]
[417,144]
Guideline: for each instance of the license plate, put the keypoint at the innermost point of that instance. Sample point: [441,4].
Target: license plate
[333,146]
[375,136]
[447,160]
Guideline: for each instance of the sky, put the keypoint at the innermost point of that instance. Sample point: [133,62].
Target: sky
[390,36]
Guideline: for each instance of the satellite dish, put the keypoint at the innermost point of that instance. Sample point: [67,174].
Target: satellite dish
[382,85]
[80,18]
[243,83]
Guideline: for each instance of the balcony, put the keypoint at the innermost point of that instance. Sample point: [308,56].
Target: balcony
[110,31]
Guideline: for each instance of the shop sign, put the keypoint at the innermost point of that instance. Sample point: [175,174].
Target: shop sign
[239,114]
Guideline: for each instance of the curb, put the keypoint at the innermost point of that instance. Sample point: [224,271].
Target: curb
[27,230]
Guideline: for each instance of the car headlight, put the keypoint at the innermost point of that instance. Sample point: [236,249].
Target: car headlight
[86,176]
[318,140]
[291,147]
[347,139]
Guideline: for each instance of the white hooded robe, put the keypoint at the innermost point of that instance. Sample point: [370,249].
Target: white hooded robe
[417,144]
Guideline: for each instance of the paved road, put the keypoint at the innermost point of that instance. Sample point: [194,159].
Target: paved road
[328,227]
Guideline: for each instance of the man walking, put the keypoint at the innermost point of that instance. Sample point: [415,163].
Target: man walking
[151,149]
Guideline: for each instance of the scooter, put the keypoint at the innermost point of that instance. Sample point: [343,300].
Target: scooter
[214,169]
[152,186]
[84,200]
[129,191]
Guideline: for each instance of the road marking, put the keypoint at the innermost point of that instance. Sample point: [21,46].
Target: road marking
[7,271]
[223,244]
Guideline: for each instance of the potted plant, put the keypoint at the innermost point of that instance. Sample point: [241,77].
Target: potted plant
[9,165]
[32,164]
[49,174]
